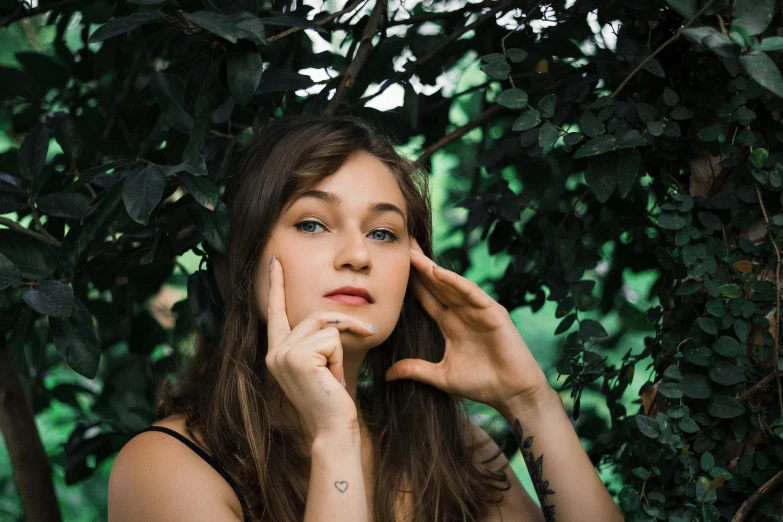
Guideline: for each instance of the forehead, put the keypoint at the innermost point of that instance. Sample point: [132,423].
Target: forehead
[361,180]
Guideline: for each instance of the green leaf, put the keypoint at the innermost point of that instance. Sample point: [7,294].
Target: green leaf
[761,68]
[602,175]
[642,473]
[670,97]
[699,355]
[51,298]
[725,407]
[729,290]
[32,154]
[695,386]
[35,259]
[202,189]
[516,55]
[729,347]
[589,328]
[142,192]
[565,324]
[627,169]
[216,23]
[672,220]
[125,24]
[527,120]
[673,372]
[497,70]
[759,157]
[244,67]
[512,98]
[670,390]
[590,125]
[10,275]
[648,426]
[688,425]
[547,135]
[629,499]
[773,43]
[170,102]
[711,132]
[684,8]
[547,105]
[600,145]
[213,225]
[753,15]
[740,36]
[76,340]
[708,324]
[707,461]
[726,373]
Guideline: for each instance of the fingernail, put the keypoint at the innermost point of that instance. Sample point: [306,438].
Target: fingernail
[345,384]
[372,326]
[271,262]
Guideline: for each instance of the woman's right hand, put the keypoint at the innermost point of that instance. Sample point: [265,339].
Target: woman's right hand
[307,361]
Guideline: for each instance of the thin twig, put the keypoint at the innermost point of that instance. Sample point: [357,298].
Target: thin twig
[350,74]
[19,228]
[777,294]
[503,40]
[322,21]
[659,49]
[457,133]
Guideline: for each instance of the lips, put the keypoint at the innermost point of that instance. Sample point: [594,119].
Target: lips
[351,295]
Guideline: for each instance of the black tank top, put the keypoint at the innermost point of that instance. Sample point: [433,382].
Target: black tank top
[200,452]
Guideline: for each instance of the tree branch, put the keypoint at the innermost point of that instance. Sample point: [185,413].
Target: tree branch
[322,21]
[457,133]
[349,76]
[32,473]
[747,506]
[659,49]
[19,228]
[408,72]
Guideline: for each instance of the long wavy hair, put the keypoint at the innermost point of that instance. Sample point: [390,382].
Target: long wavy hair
[423,447]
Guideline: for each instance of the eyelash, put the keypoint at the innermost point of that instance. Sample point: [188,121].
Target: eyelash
[389,232]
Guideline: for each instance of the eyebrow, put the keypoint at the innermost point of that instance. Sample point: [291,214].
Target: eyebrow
[334,199]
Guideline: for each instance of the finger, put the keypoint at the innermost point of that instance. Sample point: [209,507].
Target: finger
[451,288]
[429,302]
[418,370]
[278,327]
[424,267]
[322,319]
[327,344]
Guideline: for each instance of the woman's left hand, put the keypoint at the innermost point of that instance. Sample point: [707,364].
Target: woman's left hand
[486,359]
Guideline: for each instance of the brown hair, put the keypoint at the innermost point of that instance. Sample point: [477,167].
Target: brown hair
[225,397]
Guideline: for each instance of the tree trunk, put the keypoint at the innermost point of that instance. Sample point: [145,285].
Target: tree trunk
[32,473]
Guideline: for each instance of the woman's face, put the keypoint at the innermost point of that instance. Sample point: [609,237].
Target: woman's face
[347,233]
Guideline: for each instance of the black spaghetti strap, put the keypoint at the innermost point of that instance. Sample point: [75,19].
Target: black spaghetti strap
[201,453]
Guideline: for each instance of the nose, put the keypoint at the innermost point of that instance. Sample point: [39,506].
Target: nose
[352,250]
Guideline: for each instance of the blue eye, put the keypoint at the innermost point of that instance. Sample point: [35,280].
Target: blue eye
[302,224]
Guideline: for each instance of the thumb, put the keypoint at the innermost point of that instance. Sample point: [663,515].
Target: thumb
[416,369]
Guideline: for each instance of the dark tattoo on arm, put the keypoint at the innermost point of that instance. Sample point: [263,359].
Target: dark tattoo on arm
[535,466]
[341,485]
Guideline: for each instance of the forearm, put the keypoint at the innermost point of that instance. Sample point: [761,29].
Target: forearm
[565,480]
[336,491]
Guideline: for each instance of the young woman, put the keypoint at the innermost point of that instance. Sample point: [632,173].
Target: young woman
[332,394]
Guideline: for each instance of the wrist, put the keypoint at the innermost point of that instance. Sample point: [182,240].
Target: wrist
[335,438]
[531,404]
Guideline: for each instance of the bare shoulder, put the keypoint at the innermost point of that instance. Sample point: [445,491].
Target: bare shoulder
[517,505]
[156,477]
